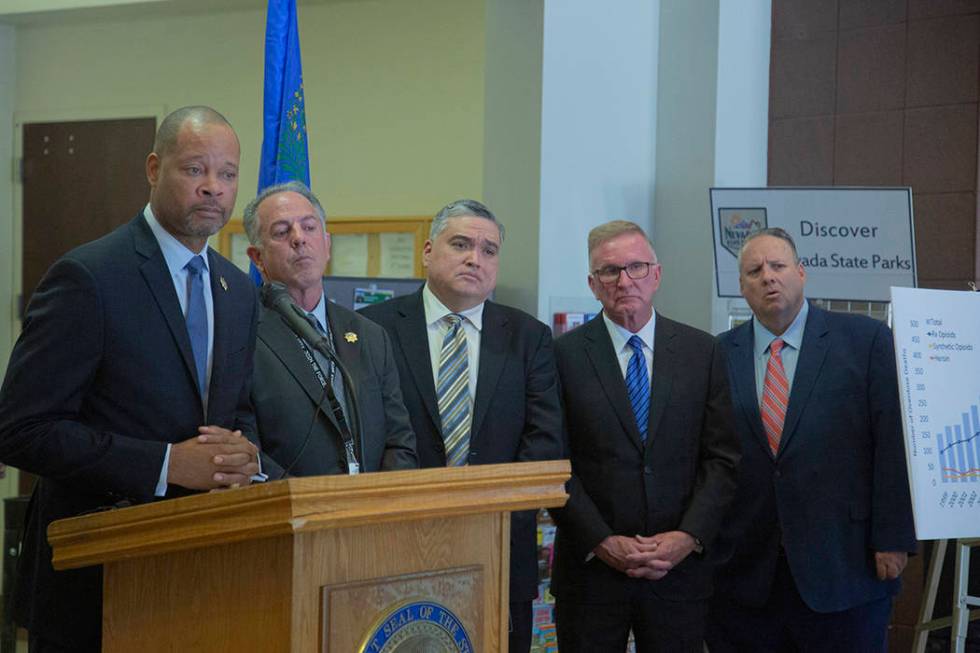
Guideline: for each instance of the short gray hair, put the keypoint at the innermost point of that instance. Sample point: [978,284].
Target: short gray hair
[460,209]
[775,232]
[251,217]
[614,229]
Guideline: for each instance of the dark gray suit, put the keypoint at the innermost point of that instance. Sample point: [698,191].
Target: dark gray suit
[286,392]
[681,478]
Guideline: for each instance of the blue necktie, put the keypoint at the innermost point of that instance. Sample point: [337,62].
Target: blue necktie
[197,320]
[638,386]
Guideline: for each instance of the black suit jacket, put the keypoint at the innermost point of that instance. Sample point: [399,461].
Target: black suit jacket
[682,479]
[285,393]
[838,489]
[516,411]
[100,379]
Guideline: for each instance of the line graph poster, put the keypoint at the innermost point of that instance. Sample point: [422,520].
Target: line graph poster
[937,348]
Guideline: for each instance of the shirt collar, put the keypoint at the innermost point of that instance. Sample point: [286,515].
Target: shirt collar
[620,335]
[435,310]
[175,253]
[793,336]
[320,312]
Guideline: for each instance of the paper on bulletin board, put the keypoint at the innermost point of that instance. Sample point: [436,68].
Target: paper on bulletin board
[349,255]
[398,254]
[239,251]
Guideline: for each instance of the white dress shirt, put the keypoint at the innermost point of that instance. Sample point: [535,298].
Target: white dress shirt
[437,328]
[620,337]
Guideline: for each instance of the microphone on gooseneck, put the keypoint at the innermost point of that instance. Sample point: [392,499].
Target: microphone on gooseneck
[276,298]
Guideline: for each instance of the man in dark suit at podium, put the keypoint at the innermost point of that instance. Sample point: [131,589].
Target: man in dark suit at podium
[130,378]
[653,462]
[301,405]
[819,531]
[478,378]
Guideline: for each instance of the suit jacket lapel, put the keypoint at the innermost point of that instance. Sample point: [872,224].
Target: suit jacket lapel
[741,359]
[413,339]
[604,361]
[275,333]
[157,276]
[493,354]
[223,323]
[348,351]
[808,365]
[663,367]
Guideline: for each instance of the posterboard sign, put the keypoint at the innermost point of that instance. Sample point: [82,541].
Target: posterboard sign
[856,243]
[937,349]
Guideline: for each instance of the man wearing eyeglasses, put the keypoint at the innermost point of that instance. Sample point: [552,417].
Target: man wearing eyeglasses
[654,458]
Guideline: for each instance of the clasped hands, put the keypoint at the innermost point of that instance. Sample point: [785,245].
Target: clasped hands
[213,460]
[646,557]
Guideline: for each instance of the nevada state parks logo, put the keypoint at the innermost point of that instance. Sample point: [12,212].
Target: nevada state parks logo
[735,225]
[418,627]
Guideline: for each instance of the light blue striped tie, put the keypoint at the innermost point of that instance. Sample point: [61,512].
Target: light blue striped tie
[453,392]
[638,385]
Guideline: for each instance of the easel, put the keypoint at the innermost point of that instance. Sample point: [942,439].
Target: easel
[962,614]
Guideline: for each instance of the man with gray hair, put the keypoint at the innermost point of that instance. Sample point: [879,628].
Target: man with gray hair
[302,409]
[478,378]
[653,457]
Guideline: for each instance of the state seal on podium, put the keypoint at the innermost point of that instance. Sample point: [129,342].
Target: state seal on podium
[417,626]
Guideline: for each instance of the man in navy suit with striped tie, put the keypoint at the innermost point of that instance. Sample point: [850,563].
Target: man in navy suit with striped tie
[653,454]
[819,531]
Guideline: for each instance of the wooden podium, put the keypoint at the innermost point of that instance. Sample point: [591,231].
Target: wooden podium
[396,561]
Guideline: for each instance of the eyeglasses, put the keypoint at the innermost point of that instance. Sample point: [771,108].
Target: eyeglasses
[634,270]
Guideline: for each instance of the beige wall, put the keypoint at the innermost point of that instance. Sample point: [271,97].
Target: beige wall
[394,89]
[512,142]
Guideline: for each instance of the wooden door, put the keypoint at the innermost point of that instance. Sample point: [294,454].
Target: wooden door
[81,180]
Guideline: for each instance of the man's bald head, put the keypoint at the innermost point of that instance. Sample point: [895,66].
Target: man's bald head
[169,129]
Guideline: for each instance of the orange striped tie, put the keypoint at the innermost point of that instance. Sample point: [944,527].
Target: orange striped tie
[775,396]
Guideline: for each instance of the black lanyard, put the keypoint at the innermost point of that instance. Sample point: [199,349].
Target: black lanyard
[327,384]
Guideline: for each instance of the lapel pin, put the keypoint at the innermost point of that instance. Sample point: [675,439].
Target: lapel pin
[224,284]
[350,337]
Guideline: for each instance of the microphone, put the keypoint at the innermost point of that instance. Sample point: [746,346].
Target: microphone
[276,298]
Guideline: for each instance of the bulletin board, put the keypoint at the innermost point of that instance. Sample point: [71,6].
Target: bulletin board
[361,246]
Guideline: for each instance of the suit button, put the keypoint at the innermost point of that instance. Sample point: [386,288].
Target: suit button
[647,470]
[776,474]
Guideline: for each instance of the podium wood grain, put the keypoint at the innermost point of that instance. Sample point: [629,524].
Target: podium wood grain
[246,570]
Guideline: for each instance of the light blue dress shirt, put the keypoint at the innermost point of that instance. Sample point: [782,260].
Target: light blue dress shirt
[790,354]
[176,255]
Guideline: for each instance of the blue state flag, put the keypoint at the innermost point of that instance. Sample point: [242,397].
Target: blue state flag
[285,151]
